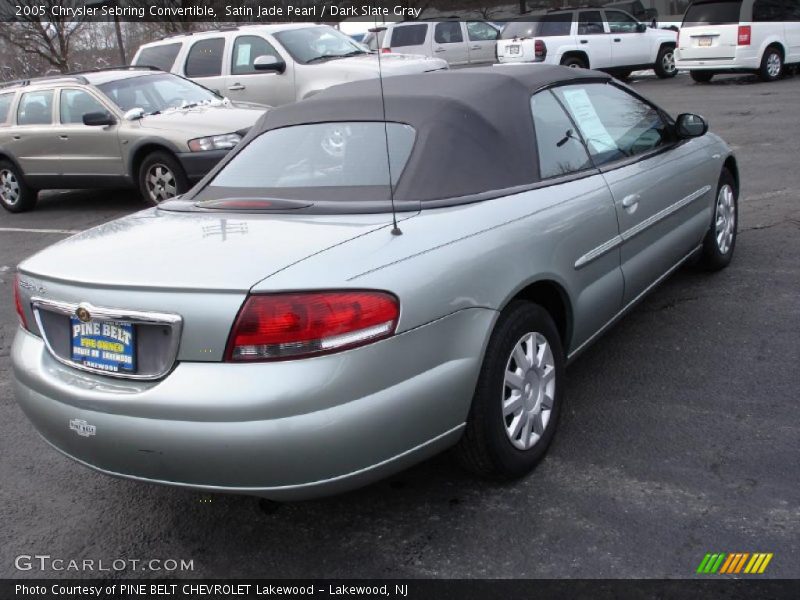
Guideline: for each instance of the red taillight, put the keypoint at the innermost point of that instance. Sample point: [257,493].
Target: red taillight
[294,325]
[539,49]
[18,303]
[743,37]
[386,50]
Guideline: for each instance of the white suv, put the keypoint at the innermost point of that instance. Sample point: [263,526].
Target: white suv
[457,42]
[735,36]
[274,64]
[592,38]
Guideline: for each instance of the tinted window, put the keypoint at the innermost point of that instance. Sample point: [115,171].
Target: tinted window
[205,58]
[792,8]
[448,33]
[620,22]
[35,108]
[409,35]
[351,154]
[590,22]
[5,106]
[713,13]
[246,49]
[162,56]
[614,123]
[478,31]
[559,146]
[76,103]
[544,26]
[770,10]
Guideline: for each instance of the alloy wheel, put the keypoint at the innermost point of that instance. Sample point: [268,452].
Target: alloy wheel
[9,187]
[528,390]
[668,62]
[774,65]
[161,184]
[725,223]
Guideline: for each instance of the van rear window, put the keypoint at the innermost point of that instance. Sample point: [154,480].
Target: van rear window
[712,13]
[162,56]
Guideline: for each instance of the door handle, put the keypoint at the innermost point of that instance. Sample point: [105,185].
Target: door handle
[617,40]
[584,41]
[63,137]
[236,87]
[439,50]
[474,47]
[631,202]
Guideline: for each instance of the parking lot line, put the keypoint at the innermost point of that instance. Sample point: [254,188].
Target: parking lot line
[24,230]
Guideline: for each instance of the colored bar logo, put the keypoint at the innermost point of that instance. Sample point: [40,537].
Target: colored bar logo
[735,563]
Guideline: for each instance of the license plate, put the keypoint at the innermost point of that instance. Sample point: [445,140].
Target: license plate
[704,42]
[104,345]
[513,49]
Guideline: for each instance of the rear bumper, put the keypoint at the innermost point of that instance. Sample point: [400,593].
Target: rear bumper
[197,164]
[742,61]
[350,419]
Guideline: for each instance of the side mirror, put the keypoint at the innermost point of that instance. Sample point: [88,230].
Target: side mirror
[641,27]
[269,63]
[688,125]
[98,119]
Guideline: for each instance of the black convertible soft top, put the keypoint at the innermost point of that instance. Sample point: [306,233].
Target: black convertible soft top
[474,126]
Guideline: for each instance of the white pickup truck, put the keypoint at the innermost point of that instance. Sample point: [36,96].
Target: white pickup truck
[607,39]
[275,64]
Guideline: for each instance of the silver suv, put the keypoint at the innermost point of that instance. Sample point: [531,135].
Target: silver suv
[129,127]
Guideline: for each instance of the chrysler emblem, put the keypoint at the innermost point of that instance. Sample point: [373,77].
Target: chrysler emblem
[83,314]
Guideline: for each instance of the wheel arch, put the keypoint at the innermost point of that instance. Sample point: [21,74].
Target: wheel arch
[576,54]
[553,297]
[142,149]
[732,166]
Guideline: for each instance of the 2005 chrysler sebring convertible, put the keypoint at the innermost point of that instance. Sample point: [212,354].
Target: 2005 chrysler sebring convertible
[272,333]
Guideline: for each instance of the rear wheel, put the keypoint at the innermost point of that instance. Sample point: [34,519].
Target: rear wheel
[665,63]
[161,178]
[701,76]
[771,65]
[15,195]
[518,396]
[574,62]
[720,240]
[622,74]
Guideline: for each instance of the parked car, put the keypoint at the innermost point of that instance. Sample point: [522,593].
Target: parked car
[611,40]
[274,64]
[457,42]
[735,36]
[113,128]
[318,346]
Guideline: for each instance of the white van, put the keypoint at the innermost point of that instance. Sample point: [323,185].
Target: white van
[739,36]
[457,42]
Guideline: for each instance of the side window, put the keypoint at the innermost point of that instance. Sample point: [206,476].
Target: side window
[35,108]
[478,31]
[205,58]
[162,56]
[246,49]
[769,10]
[621,22]
[448,32]
[76,103]
[554,25]
[5,106]
[409,35]
[590,22]
[558,145]
[791,10]
[614,123]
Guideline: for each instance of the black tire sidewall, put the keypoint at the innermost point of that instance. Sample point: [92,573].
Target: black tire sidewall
[712,258]
[659,68]
[574,60]
[701,76]
[518,319]
[167,159]
[27,197]
[762,71]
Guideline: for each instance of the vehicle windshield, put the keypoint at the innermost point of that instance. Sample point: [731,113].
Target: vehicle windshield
[157,93]
[317,44]
[542,26]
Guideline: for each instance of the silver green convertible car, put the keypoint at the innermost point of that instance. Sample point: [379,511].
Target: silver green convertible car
[273,332]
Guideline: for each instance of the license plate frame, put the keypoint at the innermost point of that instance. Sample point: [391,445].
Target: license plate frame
[104,345]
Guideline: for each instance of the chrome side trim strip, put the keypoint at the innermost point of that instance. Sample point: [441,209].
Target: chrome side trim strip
[631,304]
[663,214]
[599,251]
[173,321]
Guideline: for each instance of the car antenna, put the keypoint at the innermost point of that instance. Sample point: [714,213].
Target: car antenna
[395,229]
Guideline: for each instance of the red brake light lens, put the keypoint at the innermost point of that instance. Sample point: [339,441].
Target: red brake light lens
[540,50]
[295,325]
[18,303]
[386,50]
[743,38]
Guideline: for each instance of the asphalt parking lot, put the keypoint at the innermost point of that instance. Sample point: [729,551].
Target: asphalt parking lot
[681,434]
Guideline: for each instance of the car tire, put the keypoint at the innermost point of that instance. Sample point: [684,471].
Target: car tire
[665,63]
[574,62]
[622,74]
[161,177]
[771,67]
[490,447]
[16,196]
[720,239]
[701,76]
